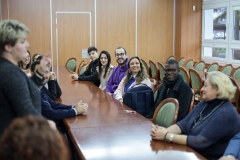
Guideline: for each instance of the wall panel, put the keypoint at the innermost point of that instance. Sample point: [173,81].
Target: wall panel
[155,29]
[188,29]
[116,26]
[74,29]
[73,36]
[35,15]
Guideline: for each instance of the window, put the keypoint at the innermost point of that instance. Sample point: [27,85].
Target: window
[221,31]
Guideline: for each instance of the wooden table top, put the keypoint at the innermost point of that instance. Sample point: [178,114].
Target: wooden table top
[126,142]
[107,132]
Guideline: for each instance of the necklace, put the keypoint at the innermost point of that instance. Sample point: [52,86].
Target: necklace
[196,122]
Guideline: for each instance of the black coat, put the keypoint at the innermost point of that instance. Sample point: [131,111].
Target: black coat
[91,74]
[54,91]
[180,91]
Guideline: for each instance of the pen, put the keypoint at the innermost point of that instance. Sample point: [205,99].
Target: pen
[129,111]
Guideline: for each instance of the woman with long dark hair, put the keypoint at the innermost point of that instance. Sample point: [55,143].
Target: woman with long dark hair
[104,69]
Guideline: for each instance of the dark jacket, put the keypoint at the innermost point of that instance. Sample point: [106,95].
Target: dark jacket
[91,74]
[53,110]
[54,91]
[19,95]
[180,91]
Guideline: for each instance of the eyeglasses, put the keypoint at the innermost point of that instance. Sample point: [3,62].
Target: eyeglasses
[170,70]
[120,54]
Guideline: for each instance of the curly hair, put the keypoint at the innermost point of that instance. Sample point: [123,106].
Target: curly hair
[32,138]
[141,75]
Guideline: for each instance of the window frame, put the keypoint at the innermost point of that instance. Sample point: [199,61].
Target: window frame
[228,43]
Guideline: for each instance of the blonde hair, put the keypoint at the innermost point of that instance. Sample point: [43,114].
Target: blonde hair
[226,89]
[10,31]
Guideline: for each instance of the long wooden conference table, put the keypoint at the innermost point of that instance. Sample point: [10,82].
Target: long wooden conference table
[107,131]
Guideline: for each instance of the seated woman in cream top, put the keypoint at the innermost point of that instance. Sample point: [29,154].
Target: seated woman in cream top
[104,69]
[136,74]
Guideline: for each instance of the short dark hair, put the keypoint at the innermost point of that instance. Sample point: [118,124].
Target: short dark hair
[172,61]
[92,48]
[33,65]
[121,48]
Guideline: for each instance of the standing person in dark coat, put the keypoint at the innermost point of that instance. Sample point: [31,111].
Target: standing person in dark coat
[91,73]
[19,96]
[174,87]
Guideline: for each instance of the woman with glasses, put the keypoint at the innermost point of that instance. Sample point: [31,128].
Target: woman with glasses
[211,124]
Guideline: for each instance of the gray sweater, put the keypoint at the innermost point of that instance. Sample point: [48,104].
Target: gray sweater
[210,137]
[19,95]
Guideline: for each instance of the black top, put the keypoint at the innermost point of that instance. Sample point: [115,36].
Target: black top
[54,91]
[179,90]
[91,74]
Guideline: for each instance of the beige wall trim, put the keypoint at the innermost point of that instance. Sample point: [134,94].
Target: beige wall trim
[95,23]
[136,32]
[174,26]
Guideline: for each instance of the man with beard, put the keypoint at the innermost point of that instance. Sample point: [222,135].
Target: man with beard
[91,73]
[53,110]
[118,72]
[174,87]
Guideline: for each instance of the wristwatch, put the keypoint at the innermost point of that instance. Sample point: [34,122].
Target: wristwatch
[170,137]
